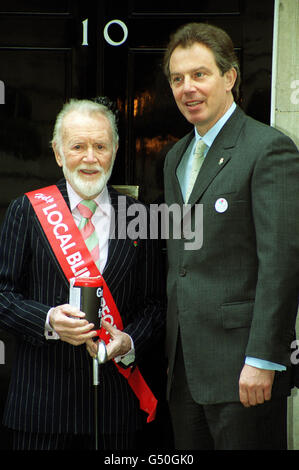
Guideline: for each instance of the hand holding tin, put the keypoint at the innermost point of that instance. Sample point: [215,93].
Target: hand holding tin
[71,324]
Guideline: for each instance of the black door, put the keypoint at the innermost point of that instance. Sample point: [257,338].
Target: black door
[52,50]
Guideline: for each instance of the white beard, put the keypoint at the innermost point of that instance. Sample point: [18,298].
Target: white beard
[87,188]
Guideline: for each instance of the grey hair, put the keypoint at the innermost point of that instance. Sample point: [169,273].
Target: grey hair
[88,107]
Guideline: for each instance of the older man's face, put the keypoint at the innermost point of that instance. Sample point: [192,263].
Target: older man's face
[88,152]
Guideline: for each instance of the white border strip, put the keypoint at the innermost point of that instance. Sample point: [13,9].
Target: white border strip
[274,62]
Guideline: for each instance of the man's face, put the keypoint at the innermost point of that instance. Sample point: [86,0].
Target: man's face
[202,94]
[87,152]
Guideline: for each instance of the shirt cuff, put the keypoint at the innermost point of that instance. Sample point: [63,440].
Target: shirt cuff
[128,358]
[49,332]
[262,364]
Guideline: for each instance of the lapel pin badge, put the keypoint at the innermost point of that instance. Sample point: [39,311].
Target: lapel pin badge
[221,161]
[135,243]
[221,205]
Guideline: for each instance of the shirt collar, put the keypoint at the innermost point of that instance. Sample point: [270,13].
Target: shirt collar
[103,199]
[212,133]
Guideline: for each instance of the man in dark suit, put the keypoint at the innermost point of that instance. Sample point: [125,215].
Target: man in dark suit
[232,302]
[50,400]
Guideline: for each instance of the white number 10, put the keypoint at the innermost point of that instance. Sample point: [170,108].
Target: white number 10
[105,32]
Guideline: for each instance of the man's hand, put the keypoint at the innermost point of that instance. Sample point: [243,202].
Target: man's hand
[255,385]
[119,345]
[71,325]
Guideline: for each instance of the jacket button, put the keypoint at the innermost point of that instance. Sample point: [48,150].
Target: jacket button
[182,272]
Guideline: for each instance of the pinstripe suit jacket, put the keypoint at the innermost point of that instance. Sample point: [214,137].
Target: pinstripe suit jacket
[51,381]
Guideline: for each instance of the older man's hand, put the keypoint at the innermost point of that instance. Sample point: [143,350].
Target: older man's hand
[119,344]
[70,324]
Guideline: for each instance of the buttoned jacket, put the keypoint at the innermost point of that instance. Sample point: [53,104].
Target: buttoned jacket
[236,295]
[51,382]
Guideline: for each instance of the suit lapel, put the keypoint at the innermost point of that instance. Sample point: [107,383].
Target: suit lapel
[62,188]
[120,246]
[221,151]
[61,185]
[214,162]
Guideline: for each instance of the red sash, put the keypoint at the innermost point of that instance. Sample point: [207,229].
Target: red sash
[75,260]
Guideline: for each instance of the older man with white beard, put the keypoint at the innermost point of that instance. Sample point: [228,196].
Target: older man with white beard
[85,142]
[50,400]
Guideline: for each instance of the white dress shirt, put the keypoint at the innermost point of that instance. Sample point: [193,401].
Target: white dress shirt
[101,219]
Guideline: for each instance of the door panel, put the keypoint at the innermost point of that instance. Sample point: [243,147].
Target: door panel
[51,51]
[57,49]
[133,77]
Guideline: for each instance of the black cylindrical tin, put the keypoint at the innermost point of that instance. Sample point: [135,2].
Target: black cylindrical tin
[87,294]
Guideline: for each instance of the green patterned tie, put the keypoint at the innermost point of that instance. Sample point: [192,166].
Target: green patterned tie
[86,227]
[198,158]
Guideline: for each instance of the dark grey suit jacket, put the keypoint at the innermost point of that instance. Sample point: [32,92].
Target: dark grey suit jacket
[237,295]
[51,383]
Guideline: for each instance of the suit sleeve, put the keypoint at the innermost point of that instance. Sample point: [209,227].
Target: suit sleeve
[18,314]
[275,203]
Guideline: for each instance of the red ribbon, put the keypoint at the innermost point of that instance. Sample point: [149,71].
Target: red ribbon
[75,260]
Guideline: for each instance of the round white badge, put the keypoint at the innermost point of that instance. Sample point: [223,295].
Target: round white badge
[221,205]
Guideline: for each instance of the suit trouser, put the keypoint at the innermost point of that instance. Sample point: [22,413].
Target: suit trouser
[228,426]
[39,441]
